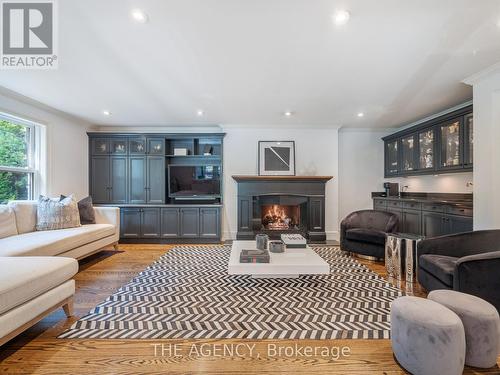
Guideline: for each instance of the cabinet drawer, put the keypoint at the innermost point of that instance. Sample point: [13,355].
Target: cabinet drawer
[459,211]
[412,205]
[433,207]
[394,204]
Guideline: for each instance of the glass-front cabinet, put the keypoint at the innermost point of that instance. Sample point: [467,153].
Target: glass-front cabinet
[391,158]
[450,144]
[426,149]
[443,144]
[408,159]
[469,140]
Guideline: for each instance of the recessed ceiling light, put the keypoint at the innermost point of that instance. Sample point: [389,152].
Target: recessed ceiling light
[200,112]
[139,16]
[361,114]
[106,113]
[341,17]
[288,113]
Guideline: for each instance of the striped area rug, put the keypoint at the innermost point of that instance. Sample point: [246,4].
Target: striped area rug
[188,293]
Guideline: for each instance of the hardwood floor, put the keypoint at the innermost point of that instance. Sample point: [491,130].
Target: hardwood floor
[38,351]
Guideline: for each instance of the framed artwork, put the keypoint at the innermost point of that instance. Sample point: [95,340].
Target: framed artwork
[276,158]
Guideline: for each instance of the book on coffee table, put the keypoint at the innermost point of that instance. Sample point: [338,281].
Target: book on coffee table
[254,256]
[294,241]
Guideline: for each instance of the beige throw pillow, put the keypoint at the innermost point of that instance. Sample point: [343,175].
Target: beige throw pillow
[7,222]
[57,214]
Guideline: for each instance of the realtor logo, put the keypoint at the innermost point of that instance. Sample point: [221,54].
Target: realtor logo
[28,35]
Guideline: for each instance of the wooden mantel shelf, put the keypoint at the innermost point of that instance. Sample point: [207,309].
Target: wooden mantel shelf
[282,178]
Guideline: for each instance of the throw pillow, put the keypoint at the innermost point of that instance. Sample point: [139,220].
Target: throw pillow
[57,214]
[25,212]
[86,209]
[8,225]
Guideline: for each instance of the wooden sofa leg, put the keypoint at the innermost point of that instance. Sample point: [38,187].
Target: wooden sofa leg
[68,308]
[115,246]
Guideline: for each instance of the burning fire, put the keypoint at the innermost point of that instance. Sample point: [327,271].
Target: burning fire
[277,217]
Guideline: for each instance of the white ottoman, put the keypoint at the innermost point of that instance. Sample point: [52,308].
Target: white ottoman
[481,323]
[427,338]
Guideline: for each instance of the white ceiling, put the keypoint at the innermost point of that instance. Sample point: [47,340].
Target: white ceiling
[245,62]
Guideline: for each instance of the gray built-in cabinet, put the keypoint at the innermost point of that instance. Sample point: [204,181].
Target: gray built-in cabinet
[443,144]
[429,219]
[131,171]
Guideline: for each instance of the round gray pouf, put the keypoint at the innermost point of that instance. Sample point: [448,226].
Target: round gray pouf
[427,338]
[481,323]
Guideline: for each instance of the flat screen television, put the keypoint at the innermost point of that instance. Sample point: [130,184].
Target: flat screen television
[193,181]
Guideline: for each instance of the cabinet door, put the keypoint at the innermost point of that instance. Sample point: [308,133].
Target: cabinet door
[118,146]
[408,153]
[156,146]
[118,176]
[137,146]
[433,224]
[100,146]
[155,179]
[391,158]
[189,222]
[450,144]
[100,183]
[426,150]
[130,223]
[458,224]
[209,223]
[137,179]
[150,224]
[468,140]
[412,221]
[170,223]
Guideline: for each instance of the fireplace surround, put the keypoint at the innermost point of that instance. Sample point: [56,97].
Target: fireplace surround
[281,204]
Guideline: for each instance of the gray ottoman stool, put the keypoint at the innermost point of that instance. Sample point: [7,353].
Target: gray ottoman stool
[427,338]
[481,323]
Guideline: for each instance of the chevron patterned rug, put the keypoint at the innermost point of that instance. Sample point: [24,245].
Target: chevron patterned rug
[187,293]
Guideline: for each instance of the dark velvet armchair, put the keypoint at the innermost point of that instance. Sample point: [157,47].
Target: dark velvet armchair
[363,232]
[466,262]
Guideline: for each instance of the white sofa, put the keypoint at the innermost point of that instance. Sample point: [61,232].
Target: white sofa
[36,267]
[75,243]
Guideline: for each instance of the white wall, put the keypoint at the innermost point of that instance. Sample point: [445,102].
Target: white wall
[316,153]
[443,183]
[486,98]
[66,165]
[361,168]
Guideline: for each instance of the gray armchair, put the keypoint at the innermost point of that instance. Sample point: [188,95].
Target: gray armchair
[466,262]
[364,232]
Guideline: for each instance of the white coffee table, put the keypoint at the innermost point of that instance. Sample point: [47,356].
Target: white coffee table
[290,264]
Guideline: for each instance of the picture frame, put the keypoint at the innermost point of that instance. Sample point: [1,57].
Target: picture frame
[276,158]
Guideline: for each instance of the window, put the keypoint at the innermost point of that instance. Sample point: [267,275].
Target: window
[18,162]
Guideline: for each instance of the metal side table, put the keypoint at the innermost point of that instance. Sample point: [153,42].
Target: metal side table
[401,258]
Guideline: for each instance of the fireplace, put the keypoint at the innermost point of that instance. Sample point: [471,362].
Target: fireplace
[275,205]
[280,217]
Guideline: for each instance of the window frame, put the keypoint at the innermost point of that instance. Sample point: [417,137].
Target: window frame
[34,163]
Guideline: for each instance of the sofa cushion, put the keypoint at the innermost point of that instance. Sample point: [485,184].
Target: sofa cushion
[366,235]
[55,213]
[440,266]
[53,242]
[25,215]
[8,225]
[22,279]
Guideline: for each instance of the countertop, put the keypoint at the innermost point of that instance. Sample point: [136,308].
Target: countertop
[458,200]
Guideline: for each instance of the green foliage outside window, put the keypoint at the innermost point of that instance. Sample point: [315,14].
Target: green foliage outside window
[13,153]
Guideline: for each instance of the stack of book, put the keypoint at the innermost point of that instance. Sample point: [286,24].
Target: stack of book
[293,240]
[254,256]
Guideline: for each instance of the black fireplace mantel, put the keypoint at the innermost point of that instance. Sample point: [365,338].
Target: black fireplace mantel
[251,190]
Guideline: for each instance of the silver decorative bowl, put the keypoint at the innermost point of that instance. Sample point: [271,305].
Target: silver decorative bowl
[276,246]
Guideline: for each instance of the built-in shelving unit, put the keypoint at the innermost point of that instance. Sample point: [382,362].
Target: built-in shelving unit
[443,144]
[131,171]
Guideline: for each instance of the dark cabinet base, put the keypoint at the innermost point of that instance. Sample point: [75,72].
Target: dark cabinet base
[170,224]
